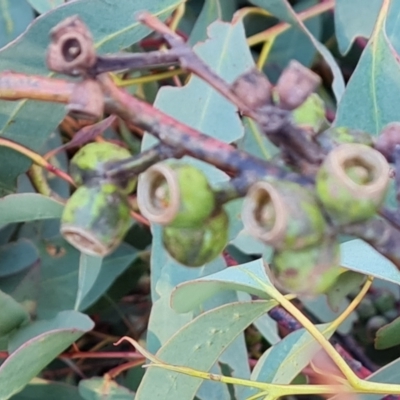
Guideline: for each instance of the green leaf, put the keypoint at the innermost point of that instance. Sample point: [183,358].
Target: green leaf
[344,285]
[89,270]
[376,80]
[12,315]
[319,307]
[255,142]
[265,324]
[35,346]
[282,10]
[388,335]
[387,374]
[65,322]
[17,256]
[361,257]
[111,268]
[250,278]
[60,272]
[353,19]
[15,16]
[212,10]
[31,122]
[200,344]
[281,363]
[42,389]
[42,6]
[103,389]
[197,104]
[28,207]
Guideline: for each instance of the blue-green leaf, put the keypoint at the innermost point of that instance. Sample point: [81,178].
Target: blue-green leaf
[353,19]
[89,270]
[36,345]
[376,80]
[17,256]
[103,389]
[15,16]
[200,342]
[361,257]
[12,314]
[250,278]
[28,207]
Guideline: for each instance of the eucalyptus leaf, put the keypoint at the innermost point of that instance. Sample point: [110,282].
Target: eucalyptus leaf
[281,363]
[36,345]
[201,342]
[43,389]
[17,256]
[388,335]
[12,315]
[42,6]
[89,270]
[376,80]
[353,20]
[28,207]
[361,257]
[103,389]
[15,16]
[250,278]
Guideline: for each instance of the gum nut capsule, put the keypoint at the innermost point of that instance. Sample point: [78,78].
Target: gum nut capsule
[282,214]
[352,182]
[177,195]
[96,219]
[89,162]
[195,247]
[312,270]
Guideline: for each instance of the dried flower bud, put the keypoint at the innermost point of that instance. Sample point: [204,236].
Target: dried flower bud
[71,50]
[295,84]
[253,88]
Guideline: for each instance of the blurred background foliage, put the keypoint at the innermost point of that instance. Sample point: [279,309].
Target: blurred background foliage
[54,299]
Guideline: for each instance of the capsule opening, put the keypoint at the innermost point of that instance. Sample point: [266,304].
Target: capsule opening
[85,242]
[264,214]
[71,49]
[158,194]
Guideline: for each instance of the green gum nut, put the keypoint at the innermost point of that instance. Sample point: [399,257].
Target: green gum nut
[282,214]
[177,195]
[308,271]
[311,114]
[195,247]
[96,219]
[335,136]
[352,182]
[89,162]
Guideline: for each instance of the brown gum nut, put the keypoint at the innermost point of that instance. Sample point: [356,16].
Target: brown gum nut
[295,84]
